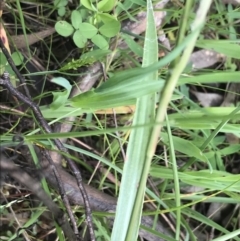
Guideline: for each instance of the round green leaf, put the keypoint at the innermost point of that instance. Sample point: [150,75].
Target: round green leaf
[106,5]
[87,30]
[110,29]
[61,11]
[79,39]
[64,28]
[76,19]
[17,58]
[100,41]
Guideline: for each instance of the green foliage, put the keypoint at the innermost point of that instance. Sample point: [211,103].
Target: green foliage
[96,26]
[61,6]
[17,58]
[64,28]
[111,97]
[189,132]
[76,19]
[136,168]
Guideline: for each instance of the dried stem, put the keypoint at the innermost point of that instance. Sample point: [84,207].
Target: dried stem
[5,81]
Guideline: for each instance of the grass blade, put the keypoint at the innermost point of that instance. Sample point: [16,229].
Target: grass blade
[130,201]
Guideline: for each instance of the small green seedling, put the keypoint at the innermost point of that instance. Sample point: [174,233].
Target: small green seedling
[97,26]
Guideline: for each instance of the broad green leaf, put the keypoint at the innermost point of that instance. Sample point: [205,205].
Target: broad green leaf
[114,83]
[17,58]
[87,30]
[79,39]
[60,98]
[64,28]
[61,11]
[136,168]
[69,110]
[228,48]
[123,95]
[76,19]
[100,42]
[110,29]
[106,5]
